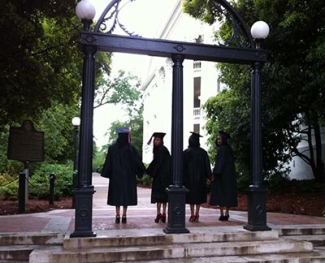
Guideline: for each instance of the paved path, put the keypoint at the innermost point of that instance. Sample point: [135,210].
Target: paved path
[139,217]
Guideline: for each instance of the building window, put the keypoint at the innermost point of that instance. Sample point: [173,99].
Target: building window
[197,92]
[196,64]
[196,128]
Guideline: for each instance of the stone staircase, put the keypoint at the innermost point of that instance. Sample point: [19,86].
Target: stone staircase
[287,244]
[16,247]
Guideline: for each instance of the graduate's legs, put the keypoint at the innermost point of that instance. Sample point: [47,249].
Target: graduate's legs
[197,212]
[192,218]
[224,213]
[125,208]
[117,211]
[158,217]
[163,217]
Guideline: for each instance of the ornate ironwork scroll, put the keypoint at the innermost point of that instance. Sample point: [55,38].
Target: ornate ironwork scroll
[240,36]
[110,21]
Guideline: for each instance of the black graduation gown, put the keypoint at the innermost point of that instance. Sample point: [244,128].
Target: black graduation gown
[122,165]
[160,170]
[224,187]
[196,172]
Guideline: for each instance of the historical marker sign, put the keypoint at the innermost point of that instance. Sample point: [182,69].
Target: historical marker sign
[25,143]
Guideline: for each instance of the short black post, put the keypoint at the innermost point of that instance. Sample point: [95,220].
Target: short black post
[52,182]
[21,192]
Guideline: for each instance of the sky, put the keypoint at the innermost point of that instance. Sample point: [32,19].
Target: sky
[144,17]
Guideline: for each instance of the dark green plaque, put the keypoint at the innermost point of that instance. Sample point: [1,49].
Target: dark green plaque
[25,143]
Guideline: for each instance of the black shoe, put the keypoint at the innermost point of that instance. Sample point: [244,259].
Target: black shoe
[123,219]
[224,217]
[117,219]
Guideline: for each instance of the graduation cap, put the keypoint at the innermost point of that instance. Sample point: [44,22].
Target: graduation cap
[156,135]
[194,139]
[224,134]
[122,130]
[196,134]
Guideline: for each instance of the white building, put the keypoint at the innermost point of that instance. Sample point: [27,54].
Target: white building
[200,80]
[299,168]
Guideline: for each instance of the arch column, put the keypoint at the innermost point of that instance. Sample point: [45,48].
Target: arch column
[256,195]
[176,191]
[84,190]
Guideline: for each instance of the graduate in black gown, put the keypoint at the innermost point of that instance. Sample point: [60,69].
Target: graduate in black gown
[196,172]
[122,166]
[224,185]
[160,170]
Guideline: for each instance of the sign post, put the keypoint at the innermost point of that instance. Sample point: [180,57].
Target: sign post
[26,145]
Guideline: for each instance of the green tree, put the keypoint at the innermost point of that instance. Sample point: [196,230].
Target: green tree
[58,132]
[123,88]
[293,81]
[135,124]
[40,72]
[40,61]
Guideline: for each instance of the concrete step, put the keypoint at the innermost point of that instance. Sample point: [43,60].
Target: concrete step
[20,252]
[301,230]
[172,251]
[316,240]
[166,239]
[314,257]
[18,246]
[314,234]
[237,245]
[31,238]
[14,261]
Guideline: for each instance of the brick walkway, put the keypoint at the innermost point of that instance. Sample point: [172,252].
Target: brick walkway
[139,217]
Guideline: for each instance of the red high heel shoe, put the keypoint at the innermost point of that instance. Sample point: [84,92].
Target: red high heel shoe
[158,218]
[163,218]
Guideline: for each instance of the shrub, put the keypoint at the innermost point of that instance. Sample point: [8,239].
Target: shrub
[146,180]
[98,162]
[243,183]
[8,186]
[39,185]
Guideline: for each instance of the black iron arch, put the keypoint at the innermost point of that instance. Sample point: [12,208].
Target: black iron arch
[243,52]
[240,33]
[239,48]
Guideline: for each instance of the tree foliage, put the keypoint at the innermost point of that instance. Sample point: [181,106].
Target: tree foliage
[134,123]
[123,88]
[40,60]
[40,73]
[292,87]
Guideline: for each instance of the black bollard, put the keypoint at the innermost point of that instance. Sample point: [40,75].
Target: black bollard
[52,180]
[21,192]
